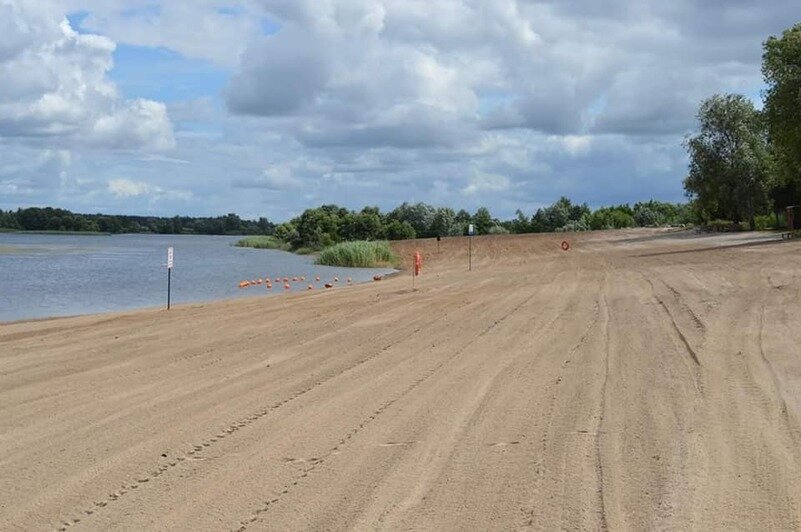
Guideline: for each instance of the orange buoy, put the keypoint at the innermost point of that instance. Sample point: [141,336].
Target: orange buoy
[329,285]
[377,277]
[565,245]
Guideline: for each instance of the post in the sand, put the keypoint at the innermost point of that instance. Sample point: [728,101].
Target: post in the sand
[470,230]
[417,266]
[169,274]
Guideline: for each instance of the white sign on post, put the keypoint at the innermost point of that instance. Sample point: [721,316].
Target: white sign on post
[169,258]
[471,230]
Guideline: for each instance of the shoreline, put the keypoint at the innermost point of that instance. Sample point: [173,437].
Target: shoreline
[203,302]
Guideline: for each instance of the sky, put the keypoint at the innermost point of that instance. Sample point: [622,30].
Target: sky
[269,107]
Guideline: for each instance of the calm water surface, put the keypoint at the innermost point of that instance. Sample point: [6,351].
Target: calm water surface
[62,275]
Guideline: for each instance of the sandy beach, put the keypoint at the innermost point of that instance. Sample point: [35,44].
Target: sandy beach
[640,380]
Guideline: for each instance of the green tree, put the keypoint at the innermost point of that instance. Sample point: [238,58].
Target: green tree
[366,225]
[729,160]
[420,216]
[397,230]
[286,232]
[521,223]
[483,221]
[781,67]
[558,215]
[443,222]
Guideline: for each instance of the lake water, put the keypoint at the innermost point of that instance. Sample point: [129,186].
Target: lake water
[62,275]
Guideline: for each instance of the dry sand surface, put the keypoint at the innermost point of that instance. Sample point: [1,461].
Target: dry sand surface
[641,380]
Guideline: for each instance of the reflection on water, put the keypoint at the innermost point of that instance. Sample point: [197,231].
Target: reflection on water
[59,275]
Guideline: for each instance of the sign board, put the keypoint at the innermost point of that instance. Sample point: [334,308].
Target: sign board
[169,258]
[471,230]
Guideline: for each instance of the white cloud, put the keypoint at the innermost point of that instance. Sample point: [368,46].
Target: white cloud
[508,103]
[126,188]
[122,188]
[486,182]
[202,29]
[55,86]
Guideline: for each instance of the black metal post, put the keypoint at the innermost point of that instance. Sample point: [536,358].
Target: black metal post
[470,253]
[169,279]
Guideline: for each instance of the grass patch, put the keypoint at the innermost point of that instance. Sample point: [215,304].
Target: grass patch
[359,254]
[262,242]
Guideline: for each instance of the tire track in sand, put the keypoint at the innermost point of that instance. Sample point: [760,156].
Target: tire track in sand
[191,455]
[315,462]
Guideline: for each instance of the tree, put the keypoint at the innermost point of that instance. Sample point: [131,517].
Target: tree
[286,232]
[781,67]
[396,230]
[520,224]
[420,216]
[558,215]
[444,221]
[483,221]
[729,160]
[366,225]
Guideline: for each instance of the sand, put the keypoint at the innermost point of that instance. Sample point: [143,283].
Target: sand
[640,380]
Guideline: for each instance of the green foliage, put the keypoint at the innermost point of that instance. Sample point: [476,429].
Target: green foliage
[358,254]
[575,225]
[286,232]
[50,219]
[764,222]
[482,221]
[395,230]
[612,218]
[781,68]
[557,215]
[262,242]
[729,160]
[498,230]
[444,222]
[420,216]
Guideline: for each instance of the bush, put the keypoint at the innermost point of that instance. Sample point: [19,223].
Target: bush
[573,226]
[764,222]
[725,226]
[262,242]
[358,254]
[498,230]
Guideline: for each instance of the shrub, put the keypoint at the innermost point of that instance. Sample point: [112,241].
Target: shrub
[358,254]
[764,222]
[575,225]
[498,230]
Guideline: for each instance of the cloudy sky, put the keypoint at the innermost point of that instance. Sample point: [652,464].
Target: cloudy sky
[266,107]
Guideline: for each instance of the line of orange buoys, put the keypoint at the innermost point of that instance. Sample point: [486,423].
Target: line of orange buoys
[295,279]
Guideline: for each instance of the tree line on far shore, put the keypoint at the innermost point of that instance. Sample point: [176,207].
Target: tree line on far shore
[329,224]
[52,219]
[745,163]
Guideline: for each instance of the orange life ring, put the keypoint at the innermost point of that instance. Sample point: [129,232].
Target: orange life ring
[565,245]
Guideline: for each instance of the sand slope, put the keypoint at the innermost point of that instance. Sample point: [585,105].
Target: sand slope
[641,380]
